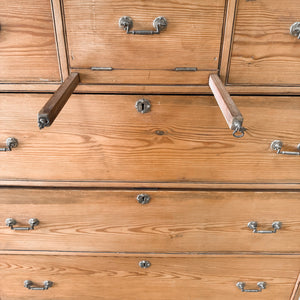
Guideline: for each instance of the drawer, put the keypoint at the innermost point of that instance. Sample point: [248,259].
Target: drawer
[102,140]
[263,50]
[172,221]
[27,46]
[112,277]
[98,44]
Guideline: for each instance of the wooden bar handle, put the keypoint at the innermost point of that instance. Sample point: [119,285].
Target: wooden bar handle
[229,110]
[55,104]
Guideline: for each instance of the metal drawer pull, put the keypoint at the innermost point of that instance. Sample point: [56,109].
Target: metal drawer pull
[261,285]
[143,106]
[159,24]
[277,145]
[10,143]
[143,198]
[295,30]
[144,264]
[29,285]
[228,108]
[10,222]
[253,226]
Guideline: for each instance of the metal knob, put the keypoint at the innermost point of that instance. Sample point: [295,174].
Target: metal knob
[11,142]
[10,222]
[261,286]
[143,106]
[143,198]
[295,30]
[29,285]
[144,264]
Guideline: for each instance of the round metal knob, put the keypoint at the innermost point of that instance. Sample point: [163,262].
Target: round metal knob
[160,23]
[144,264]
[143,198]
[295,30]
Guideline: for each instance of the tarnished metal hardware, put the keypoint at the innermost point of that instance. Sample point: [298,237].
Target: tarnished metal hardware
[10,222]
[238,129]
[144,264]
[143,106]
[186,69]
[159,24]
[46,285]
[275,225]
[277,146]
[10,143]
[261,285]
[143,198]
[101,68]
[295,30]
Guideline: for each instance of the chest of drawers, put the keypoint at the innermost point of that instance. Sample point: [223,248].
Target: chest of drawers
[136,188]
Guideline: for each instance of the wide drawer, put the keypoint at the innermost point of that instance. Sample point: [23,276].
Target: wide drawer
[104,53]
[27,46]
[102,140]
[112,278]
[263,50]
[172,221]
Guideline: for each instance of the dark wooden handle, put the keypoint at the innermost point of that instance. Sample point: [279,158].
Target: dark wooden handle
[55,104]
[229,110]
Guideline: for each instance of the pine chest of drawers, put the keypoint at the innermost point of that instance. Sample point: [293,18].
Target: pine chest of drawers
[131,185]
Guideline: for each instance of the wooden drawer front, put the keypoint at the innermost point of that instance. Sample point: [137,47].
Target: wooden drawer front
[27,44]
[167,278]
[191,39]
[102,139]
[263,51]
[91,220]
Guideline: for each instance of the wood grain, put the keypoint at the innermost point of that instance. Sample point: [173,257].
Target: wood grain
[112,278]
[113,221]
[227,38]
[143,77]
[264,52]
[27,47]
[182,140]
[192,39]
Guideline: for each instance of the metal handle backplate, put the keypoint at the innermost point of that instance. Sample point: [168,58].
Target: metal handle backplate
[10,222]
[143,198]
[295,30]
[253,226]
[29,285]
[11,142]
[277,146]
[159,24]
[261,286]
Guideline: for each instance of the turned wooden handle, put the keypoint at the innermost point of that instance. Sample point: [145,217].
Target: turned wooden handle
[229,110]
[55,104]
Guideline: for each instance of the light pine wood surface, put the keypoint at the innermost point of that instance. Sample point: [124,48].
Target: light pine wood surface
[27,46]
[192,39]
[112,278]
[263,51]
[173,221]
[182,140]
